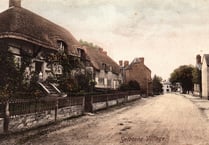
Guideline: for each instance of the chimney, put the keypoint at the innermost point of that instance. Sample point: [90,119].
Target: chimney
[141,60]
[105,52]
[198,59]
[101,50]
[120,63]
[126,63]
[14,3]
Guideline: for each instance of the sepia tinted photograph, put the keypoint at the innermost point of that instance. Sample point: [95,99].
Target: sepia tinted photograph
[104,72]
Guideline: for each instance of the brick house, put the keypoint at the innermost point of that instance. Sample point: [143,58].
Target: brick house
[138,71]
[26,34]
[105,71]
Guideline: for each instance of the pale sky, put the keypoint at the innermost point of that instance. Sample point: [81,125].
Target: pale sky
[167,33]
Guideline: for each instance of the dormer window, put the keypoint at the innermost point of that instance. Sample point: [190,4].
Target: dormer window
[61,45]
[111,68]
[104,66]
[79,52]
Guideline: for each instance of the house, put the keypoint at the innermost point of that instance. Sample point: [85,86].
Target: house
[105,71]
[166,87]
[139,72]
[205,76]
[28,35]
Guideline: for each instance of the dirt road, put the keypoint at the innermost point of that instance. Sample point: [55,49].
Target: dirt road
[163,120]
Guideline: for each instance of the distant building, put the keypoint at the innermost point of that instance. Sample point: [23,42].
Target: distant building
[105,71]
[205,76]
[138,71]
[166,87]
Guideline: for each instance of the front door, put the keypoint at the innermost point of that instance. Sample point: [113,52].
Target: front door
[38,67]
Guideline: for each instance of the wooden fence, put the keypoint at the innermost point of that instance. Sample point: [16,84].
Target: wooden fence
[92,99]
[14,107]
[26,106]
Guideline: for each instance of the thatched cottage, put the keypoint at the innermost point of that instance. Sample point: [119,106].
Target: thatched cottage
[24,33]
[106,72]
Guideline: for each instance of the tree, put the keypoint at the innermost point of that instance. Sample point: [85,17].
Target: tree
[89,44]
[131,85]
[11,75]
[157,86]
[134,85]
[184,75]
[196,75]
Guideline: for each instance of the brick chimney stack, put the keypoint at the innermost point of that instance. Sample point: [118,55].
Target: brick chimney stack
[141,60]
[198,62]
[101,50]
[198,59]
[126,63]
[120,63]
[14,3]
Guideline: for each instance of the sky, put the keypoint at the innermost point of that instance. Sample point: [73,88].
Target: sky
[167,33]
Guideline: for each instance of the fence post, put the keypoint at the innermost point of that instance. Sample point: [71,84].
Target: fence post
[55,110]
[117,98]
[107,101]
[6,117]
[83,105]
[126,97]
[88,103]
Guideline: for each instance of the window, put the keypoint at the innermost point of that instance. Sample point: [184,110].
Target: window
[110,68]
[57,69]
[101,81]
[81,53]
[16,53]
[17,60]
[61,45]
[104,66]
[109,82]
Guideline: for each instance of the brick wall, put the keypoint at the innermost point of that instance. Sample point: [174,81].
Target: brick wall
[140,73]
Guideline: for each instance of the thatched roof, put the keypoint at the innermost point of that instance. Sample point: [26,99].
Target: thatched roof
[22,24]
[98,58]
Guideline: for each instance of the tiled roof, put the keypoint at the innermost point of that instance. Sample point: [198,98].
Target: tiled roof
[98,58]
[137,61]
[20,23]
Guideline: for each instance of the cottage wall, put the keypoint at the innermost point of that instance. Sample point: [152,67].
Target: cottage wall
[107,79]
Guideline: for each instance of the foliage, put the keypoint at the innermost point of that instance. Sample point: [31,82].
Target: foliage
[132,85]
[157,85]
[68,84]
[89,44]
[196,73]
[67,81]
[12,77]
[85,82]
[183,74]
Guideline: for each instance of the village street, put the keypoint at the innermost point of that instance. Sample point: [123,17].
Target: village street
[163,120]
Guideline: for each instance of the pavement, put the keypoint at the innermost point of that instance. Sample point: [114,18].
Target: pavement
[202,104]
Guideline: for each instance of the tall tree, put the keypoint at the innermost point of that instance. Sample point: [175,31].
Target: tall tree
[157,85]
[184,75]
[10,75]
